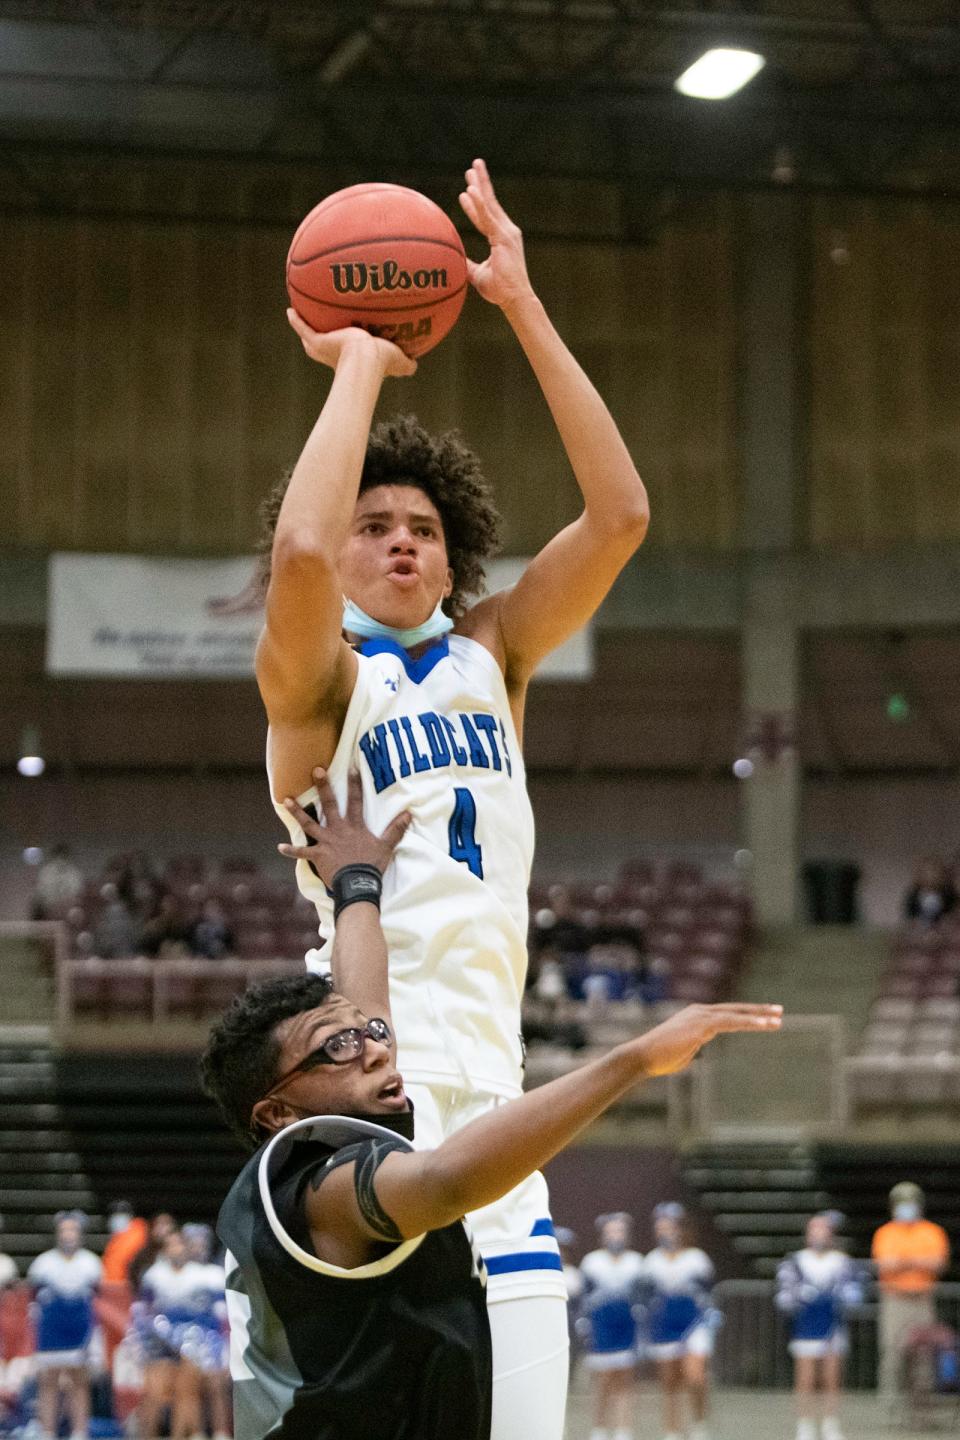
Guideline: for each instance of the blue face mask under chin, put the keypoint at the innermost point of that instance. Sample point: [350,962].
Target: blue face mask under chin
[358,622]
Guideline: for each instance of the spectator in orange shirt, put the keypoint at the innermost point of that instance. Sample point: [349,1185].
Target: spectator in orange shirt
[910,1255]
[128,1234]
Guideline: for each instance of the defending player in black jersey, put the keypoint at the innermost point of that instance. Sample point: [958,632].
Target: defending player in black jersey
[356,1297]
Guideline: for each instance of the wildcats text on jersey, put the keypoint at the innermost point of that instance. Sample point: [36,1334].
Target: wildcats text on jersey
[410,744]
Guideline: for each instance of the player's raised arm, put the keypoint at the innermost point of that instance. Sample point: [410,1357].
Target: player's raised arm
[301,657]
[406,1194]
[566,582]
[350,861]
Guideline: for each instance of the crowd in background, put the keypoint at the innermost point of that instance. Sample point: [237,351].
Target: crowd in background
[653,934]
[578,951]
[134,1341]
[137,910]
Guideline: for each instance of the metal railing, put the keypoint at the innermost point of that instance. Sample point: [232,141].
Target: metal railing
[161,990]
[751,1347]
[789,1086]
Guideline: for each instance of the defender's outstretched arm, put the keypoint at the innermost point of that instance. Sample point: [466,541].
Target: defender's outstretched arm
[481,1162]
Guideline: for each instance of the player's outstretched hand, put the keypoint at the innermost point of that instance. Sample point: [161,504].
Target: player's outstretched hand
[343,839]
[327,348]
[671,1046]
[501,278]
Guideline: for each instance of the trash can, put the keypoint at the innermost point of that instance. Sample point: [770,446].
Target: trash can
[831,891]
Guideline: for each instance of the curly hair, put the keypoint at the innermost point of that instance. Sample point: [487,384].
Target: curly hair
[240,1061]
[401,452]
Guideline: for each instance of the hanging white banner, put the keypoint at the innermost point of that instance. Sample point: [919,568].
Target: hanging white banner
[136,615]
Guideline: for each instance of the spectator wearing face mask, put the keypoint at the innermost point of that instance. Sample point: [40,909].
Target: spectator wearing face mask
[681,1321]
[910,1254]
[931,896]
[815,1286]
[612,1277]
[128,1235]
[64,1281]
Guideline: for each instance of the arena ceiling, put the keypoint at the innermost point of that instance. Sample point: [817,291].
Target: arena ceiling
[856,94]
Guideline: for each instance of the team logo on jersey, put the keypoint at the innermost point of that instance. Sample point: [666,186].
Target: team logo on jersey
[410,744]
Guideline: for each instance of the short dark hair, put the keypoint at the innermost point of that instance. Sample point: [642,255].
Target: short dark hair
[239,1063]
[401,452]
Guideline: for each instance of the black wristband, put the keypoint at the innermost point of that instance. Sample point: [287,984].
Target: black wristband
[353,883]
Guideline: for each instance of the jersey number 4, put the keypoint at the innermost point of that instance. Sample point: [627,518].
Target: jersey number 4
[463,832]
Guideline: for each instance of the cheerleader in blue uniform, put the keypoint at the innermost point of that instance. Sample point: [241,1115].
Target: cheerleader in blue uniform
[178,1322]
[815,1286]
[680,1321]
[612,1278]
[64,1282]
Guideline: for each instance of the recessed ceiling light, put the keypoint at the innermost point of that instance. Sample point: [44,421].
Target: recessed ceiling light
[719,73]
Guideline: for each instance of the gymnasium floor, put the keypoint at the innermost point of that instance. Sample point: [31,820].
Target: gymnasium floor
[760,1415]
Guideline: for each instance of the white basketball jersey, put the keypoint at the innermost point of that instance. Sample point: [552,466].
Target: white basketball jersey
[435,736]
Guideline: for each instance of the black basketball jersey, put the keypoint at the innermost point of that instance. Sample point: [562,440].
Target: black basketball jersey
[397,1349]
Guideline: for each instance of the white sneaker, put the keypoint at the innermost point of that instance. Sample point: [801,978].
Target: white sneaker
[806,1430]
[596,1434]
[830,1428]
[700,1431]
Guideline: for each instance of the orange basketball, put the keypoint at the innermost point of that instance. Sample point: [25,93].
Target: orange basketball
[383,257]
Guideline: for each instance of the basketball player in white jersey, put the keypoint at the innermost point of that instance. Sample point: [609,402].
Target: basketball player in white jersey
[375,656]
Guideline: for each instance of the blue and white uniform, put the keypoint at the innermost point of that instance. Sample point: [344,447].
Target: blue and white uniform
[610,1306]
[815,1287]
[678,1288]
[435,736]
[182,1314]
[65,1286]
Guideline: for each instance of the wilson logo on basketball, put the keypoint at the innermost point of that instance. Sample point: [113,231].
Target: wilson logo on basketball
[355,277]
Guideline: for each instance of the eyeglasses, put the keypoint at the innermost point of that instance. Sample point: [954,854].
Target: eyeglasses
[339,1049]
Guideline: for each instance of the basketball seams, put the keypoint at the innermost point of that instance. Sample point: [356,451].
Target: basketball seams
[379,240]
[322,210]
[428,303]
[354,192]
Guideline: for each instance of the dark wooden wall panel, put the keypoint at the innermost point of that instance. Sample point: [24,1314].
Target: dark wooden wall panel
[150,390]
[885,382]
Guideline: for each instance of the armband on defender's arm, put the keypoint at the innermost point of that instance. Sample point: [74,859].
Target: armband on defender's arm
[366,1157]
